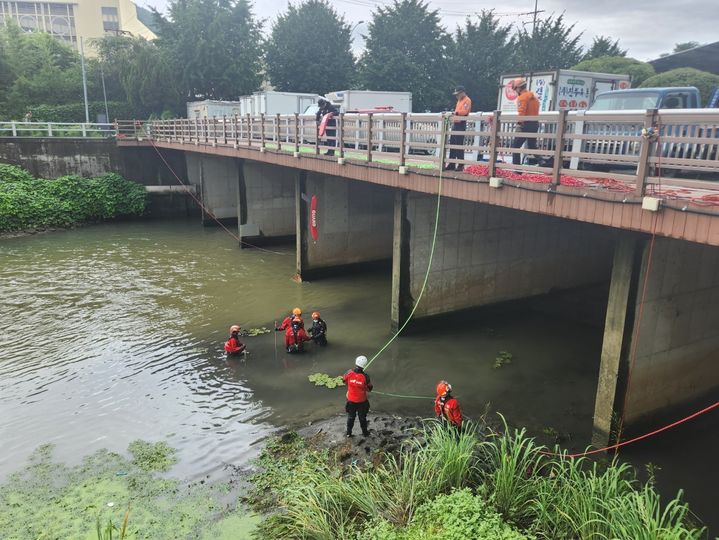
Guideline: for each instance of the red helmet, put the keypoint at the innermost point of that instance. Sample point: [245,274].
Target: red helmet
[234,328]
[315,314]
[443,388]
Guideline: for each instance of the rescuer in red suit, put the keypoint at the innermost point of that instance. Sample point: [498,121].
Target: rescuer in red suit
[295,336]
[358,384]
[234,345]
[446,406]
[287,322]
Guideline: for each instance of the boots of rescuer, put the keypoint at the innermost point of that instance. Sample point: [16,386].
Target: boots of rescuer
[234,346]
[295,336]
[318,331]
[446,406]
[358,384]
[287,321]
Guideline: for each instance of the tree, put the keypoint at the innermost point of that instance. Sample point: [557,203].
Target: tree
[604,46]
[482,52]
[407,50]
[703,80]
[310,49]
[214,46]
[637,71]
[550,46]
[685,46]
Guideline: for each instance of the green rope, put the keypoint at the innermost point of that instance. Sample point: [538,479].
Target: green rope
[400,395]
[431,253]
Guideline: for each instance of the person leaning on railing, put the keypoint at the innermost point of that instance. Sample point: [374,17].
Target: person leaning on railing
[527,105]
[463,108]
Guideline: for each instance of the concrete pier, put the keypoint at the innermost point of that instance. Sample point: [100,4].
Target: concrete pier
[353,224]
[216,180]
[487,255]
[266,203]
[672,349]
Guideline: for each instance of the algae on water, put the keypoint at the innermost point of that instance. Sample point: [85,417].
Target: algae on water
[322,379]
[252,332]
[503,357]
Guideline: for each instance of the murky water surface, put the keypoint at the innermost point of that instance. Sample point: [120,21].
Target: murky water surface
[112,333]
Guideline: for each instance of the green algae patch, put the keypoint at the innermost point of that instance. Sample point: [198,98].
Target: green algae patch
[233,527]
[48,500]
[322,379]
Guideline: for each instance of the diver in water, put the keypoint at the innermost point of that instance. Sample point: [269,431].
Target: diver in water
[287,322]
[234,346]
[295,336]
[318,331]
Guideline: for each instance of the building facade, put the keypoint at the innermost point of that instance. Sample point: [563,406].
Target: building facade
[86,19]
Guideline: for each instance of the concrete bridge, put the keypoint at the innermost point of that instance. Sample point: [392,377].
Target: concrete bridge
[609,204]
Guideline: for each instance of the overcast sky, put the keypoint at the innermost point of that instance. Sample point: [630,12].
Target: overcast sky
[646,27]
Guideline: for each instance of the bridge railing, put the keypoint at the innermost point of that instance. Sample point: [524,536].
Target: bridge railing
[636,148]
[56,129]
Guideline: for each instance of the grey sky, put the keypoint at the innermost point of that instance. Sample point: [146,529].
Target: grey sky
[646,27]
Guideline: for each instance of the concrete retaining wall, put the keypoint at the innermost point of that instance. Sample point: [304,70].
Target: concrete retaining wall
[354,223]
[266,202]
[486,254]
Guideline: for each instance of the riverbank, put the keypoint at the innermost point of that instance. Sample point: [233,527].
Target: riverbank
[436,484]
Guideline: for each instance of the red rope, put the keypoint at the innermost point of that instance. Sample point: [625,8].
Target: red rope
[207,210]
[639,438]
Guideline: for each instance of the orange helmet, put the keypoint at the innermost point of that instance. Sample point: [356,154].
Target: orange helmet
[518,83]
[234,328]
[315,314]
[297,311]
[443,388]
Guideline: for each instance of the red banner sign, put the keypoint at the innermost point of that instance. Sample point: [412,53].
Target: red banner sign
[313,217]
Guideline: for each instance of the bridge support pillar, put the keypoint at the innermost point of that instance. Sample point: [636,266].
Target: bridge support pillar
[216,180]
[266,203]
[352,224]
[667,356]
[487,255]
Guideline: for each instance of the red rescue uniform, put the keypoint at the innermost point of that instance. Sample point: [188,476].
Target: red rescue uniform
[358,384]
[293,337]
[286,323]
[234,345]
[447,407]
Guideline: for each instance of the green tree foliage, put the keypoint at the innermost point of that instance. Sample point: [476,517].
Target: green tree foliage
[215,47]
[703,80]
[638,71]
[604,46]
[310,49]
[482,52]
[685,46]
[551,45]
[408,50]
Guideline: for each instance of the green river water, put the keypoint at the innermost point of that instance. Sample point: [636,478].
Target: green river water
[114,332]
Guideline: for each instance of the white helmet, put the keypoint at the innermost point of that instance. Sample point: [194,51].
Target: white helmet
[361,361]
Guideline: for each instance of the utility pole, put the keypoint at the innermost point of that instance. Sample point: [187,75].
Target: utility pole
[84,81]
[104,94]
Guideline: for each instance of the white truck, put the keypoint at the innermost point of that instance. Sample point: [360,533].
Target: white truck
[370,100]
[272,102]
[561,89]
[209,108]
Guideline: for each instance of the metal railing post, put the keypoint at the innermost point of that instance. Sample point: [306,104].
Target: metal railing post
[494,143]
[84,130]
[341,138]
[645,152]
[297,132]
[14,128]
[49,129]
[403,139]
[279,135]
[369,137]
[559,148]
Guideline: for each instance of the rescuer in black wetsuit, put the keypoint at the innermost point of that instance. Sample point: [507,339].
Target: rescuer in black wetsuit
[331,128]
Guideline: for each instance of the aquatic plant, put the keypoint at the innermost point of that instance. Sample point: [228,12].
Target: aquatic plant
[252,332]
[27,202]
[148,456]
[322,379]
[503,357]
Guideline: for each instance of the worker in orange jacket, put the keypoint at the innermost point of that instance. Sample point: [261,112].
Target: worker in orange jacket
[462,108]
[527,105]
[446,406]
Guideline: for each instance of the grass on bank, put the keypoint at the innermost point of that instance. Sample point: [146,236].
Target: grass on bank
[32,203]
[499,486]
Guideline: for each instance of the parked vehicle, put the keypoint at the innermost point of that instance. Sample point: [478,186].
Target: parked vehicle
[354,100]
[648,98]
[561,89]
[209,108]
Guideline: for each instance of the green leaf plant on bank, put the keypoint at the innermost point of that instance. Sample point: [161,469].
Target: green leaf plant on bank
[31,203]
[447,485]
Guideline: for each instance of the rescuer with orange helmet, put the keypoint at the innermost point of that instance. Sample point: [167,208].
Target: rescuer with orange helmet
[287,322]
[318,331]
[234,345]
[358,384]
[446,406]
[527,105]
[295,336]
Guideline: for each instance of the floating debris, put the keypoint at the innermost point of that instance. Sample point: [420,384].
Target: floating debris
[322,379]
[252,332]
[503,357]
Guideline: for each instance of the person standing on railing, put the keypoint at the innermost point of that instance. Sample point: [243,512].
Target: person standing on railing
[330,131]
[527,105]
[463,108]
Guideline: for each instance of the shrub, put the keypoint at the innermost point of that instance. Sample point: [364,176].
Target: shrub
[75,112]
[620,65]
[26,202]
[703,80]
